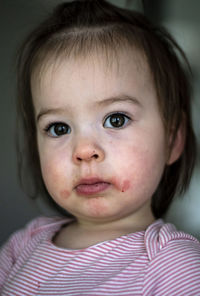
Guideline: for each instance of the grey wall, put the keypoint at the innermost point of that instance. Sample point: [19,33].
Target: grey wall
[182,18]
[17,17]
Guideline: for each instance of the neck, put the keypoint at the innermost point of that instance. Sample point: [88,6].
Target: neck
[83,233]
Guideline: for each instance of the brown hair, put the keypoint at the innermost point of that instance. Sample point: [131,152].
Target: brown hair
[80,27]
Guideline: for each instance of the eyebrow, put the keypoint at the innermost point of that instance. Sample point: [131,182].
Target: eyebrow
[104,102]
[119,99]
[46,111]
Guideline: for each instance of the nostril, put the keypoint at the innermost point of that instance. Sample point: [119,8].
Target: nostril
[88,158]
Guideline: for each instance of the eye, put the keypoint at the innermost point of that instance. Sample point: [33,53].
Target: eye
[116,120]
[58,129]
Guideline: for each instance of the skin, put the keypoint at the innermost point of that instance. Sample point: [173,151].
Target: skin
[131,158]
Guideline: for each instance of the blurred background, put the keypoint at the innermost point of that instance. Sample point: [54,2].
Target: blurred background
[17,18]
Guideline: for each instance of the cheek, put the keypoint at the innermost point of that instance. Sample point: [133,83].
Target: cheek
[56,185]
[49,172]
[55,177]
[138,168]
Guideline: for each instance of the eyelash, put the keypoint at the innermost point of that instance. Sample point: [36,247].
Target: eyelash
[126,119]
[121,122]
[53,125]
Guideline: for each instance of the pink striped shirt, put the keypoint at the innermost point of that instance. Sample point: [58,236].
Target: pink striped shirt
[159,261]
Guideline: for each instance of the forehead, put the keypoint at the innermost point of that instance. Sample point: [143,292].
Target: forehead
[98,67]
[78,87]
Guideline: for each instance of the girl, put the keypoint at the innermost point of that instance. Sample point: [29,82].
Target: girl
[105,106]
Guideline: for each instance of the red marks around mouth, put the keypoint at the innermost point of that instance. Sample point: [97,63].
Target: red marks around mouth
[125,185]
[64,194]
[121,185]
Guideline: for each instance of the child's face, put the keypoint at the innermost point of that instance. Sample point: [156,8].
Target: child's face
[100,124]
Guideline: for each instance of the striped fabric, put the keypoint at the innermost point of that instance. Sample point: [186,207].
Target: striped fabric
[159,261]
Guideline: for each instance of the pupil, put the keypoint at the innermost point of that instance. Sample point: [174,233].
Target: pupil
[117,120]
[61,129]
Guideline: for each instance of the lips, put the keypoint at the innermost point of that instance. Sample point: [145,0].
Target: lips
[91,186]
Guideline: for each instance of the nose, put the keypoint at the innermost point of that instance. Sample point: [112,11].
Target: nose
[87,152]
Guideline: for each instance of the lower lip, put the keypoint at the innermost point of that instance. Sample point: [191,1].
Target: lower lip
[90,189]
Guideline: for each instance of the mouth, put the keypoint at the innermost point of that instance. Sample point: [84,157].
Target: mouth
[91,186]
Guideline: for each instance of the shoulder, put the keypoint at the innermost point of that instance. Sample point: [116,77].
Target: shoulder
[40,224]
[24,241]
[38,227]
[174,261]
[161,237]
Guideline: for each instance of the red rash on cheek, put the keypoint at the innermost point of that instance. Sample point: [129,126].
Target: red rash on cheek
[121,186]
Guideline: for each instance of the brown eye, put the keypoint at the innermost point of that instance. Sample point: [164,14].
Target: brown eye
[116,120]
[58,129]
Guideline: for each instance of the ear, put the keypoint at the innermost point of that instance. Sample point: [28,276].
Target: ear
[178,145]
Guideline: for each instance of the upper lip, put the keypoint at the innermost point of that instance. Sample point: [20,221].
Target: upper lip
[90,181]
